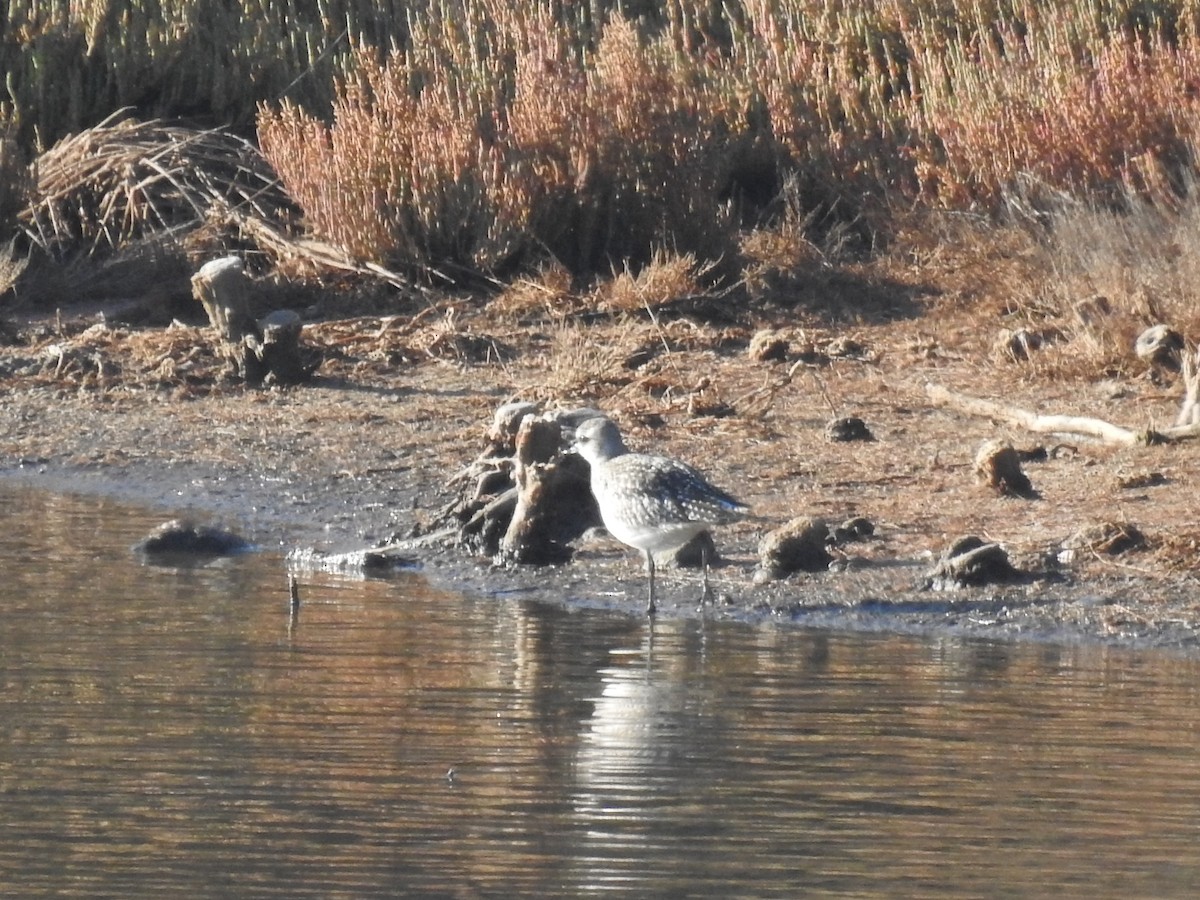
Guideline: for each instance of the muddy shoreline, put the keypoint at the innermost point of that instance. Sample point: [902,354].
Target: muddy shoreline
[147,413]
[278,506]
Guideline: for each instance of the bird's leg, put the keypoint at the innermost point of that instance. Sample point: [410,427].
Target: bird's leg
[650,567]
[706,589]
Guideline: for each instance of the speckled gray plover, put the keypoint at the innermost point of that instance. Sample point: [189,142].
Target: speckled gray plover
[652,503]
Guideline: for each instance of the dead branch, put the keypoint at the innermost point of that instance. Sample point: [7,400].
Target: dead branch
[1079,425]
[316,253]
[1189,412]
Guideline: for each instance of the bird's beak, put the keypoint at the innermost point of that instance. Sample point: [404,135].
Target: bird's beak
[569,421]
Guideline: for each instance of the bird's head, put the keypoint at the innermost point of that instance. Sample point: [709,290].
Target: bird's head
[598,440]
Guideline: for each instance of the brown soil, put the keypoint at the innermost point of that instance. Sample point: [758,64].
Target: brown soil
[402,402]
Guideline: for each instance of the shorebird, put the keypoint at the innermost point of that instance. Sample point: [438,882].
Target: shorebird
[652,503]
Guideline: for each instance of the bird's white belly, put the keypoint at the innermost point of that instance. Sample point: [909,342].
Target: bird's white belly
[654,537]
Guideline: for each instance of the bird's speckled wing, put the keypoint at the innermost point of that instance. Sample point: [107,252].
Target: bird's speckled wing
[667,490]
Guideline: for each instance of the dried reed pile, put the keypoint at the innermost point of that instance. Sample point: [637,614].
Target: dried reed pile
[125,180]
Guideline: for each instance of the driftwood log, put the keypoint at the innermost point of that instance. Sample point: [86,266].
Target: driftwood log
[1079,425]
[266,350]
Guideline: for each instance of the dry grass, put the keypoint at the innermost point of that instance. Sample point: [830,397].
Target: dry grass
[777,255]
[666,279]
[501,133]
[589,156]
[1143,263]
[1028,120]
[14,176]
[11,266]
[577,364]
[547,294]
[70,65]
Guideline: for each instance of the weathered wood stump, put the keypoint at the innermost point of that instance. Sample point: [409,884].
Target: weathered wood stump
[1161,346]
[224,290]
[260,351]
[1189,410]
[550,488]
[528,498]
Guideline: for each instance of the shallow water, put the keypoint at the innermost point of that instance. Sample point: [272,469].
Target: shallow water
[175,730]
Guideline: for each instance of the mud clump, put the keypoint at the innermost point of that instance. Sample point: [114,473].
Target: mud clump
[768,346]
[799,546]
[998,465]
[857,528]
[971,562]
[1105,538]
[848,428]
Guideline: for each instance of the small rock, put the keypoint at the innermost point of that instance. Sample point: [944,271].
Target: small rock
[848,428]
[854,529]
[800,545]
[640,357]
[179,536]
[998,465]
[693,555]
